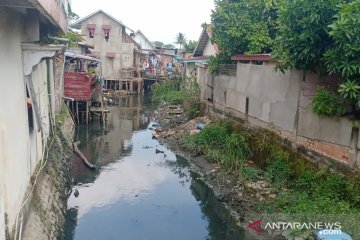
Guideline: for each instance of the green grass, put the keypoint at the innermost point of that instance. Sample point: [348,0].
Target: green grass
[309,190]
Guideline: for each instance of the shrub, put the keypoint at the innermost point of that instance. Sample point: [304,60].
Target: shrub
[327,103]
[213,136]
[250,173]
[168,91]
[279,171]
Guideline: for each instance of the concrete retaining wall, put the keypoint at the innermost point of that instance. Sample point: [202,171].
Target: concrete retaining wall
[44,215]
[279,102]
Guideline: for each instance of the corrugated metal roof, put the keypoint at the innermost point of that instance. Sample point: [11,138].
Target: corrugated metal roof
[79,56]
[77,24]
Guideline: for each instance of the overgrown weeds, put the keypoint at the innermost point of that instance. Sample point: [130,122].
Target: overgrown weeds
[175,91]
[308,190]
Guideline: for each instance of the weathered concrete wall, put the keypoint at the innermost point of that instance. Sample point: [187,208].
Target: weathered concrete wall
[21,145]
[279,102]
[124,52]
[15,170]
[45,214]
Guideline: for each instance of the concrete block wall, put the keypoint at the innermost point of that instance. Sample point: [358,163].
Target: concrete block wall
[279,102]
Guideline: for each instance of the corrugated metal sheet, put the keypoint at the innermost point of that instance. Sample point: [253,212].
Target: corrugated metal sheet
[77,86]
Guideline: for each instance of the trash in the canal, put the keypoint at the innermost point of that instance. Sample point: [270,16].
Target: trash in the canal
[158,151]
[147,147]
[76,193]
[200,126]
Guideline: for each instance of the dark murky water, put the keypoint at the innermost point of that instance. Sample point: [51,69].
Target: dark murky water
[138,192]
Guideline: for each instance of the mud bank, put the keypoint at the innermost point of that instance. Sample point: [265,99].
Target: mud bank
[44,214]
[235,196]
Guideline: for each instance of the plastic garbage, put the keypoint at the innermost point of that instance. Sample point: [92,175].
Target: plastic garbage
[200,126]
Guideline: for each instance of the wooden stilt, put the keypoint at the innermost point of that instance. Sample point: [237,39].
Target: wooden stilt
[131,82]
[87,112]
[77,112]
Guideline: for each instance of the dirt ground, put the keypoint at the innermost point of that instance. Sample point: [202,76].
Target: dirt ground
[237,196]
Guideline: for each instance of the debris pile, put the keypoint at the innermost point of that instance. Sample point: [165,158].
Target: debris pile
[172,123]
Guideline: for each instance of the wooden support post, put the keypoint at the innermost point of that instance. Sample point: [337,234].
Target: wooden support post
[77,112]
[87,112]
[131,86]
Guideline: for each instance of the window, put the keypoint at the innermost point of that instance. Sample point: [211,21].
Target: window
[30,111]
[106,29]
[91,29]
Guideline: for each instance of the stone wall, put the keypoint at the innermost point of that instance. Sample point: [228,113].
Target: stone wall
[44,214]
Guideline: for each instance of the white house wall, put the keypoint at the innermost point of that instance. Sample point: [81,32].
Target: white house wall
[124,56]
[209,49]
[142,41]
[14,131]
[20,149]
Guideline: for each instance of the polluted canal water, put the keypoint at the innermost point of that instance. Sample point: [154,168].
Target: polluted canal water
[141,189]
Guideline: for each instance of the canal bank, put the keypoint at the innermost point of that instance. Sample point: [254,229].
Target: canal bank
[44,208]
[259,178]
[141,189]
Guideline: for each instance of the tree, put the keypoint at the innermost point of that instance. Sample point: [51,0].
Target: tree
[244,26]
[180,39]
[158,44]
[169,46]
[302,36]
[190,45]
[72,16]
[342,57]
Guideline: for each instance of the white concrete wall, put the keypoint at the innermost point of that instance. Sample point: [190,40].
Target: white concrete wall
[20,149]
[142,41]
[14,132]
[124,52]
[273,97]
[209,49]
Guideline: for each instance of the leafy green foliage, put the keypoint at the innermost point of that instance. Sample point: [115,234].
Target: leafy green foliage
[327,103]
[250,173]
[213,136]
[279,171]
[190,45]
[343,57]
[350,90]
[168,91]
[158,44]
[180,39]
[169,46]
[302,36]
[243,26]
[317,192]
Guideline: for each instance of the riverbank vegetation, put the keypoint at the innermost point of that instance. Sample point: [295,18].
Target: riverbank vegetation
[177,91]
[255,155]
[300,186]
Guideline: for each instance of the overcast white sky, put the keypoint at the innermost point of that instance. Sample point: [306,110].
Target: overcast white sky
[159,20]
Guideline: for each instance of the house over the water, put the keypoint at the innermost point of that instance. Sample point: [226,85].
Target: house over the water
[113,46]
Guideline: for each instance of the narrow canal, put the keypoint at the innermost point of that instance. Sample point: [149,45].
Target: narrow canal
[141,189]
